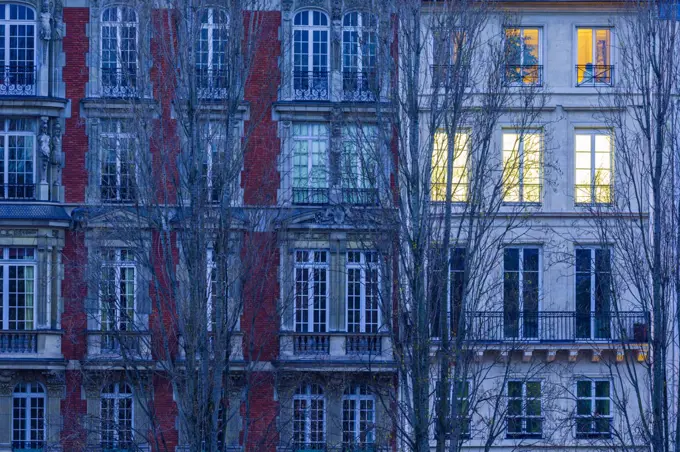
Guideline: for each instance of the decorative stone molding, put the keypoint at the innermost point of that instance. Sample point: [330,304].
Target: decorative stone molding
[19,232]
[7,382]
[55,382]
[44,147]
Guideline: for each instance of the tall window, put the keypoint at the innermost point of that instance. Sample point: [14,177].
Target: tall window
[594,169]
[28,417]
[450,57]
[116,417]
[462,397]
[310,163]
[523,55]
[362,292]
[593,279]
[17,288]
[311,291]
[594,62]
[309,418]
[454,293]
[217,171]
[359,164]
[118,157]
[17,50]
[212,53]
[17,177]
[117,295]
[524,415]
[521,287]
[119,52]
[522,161]
[358,418]
[593,409]
[459,178]
[359,46]
[310,55]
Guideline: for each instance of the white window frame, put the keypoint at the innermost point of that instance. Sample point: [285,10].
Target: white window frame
[33,392]
[522,65]
[311,140]
[5,136]
[356,394]
[363,266]
[122,134]
[521,138]
[360,29]
[612,47]
[120,320]
[309,265]
[440,164]
[117,395]
[592,313]
[309,393]
[309,30]
[118,26]
[216,75]
[520,331]
[524,434]
[593,400]
[5,264]
[593,134]
[7,24]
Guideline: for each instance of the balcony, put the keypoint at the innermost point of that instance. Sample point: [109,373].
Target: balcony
[212,84]
[594,75]
[363,344]
[311,86]
[118,345]
[119,82]
[360,86]
[32,343]
[524,75]
[310,196]
[336,347]
[19,81]
[17,192]
[360,196]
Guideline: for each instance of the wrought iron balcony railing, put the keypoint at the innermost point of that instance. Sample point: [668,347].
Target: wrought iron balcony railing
[363,343]
[11,192]
[360,196]
[594,75]
[18,341]
[557,326]
[310,196]
[524,75]
[19,80]
[593,427]
[313,85]
[524,427]
[212,83]
[311,344]
[119,82]
[118,193]
[360,86]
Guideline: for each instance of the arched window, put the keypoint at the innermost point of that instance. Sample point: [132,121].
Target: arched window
[212,54]
[310,55]
[28,416]
[309,417]
[17,50]
[119,52]
[117,416]
[359,47]
[358,417]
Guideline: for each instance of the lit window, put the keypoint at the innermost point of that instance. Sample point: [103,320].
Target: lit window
[17,290]
[524,415]
[116,417]
[593,409]
[17,175]
[594,65]
[117,296]
[461,156]
[523,55]
[212,54]
[594,155]
[522,161]
[119,52]
[17,50]
[28,417]
[358,418]
[310,163]
[118,162]
[310,55]
[309,418]
[311,291]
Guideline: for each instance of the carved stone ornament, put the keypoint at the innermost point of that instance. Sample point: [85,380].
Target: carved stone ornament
[336,9]
[45,17]
[331,215]
[311,3]
[44,147]
[287,5]
[6,380]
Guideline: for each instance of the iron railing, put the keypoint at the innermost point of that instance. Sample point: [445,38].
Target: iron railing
[19,80]
[519,75]
[311,344]
[360,196]
[310,196]
[212,83]
[17,191]
[363,343]
[360,86]
[593,427]
[524,427]
[18,341]
[312,85]
[594,75]
[118,341]
[557,326]
[33,446]
[118,193]
[119,82]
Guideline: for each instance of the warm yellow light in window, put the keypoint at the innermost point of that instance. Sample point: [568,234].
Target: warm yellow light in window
[459,179]
[593,177]
[522,167]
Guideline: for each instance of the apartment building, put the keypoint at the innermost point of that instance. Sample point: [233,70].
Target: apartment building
[311,345]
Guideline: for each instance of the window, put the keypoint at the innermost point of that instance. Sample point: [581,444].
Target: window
[462,397]
[359,45]
[17,50]
[118,156]
[524,417]
[593,279]
[212,54]
[521,288]
[311,291]
[461,156]
[456,291]
[116,417]
[310,55]
[309,418]
[523,56]
[310,163]
[593,409]
[358,418]
[522,162]
[28,416]
[359,165]
[117,295]
[218,289]
[216,169]
[594,64]
[450,57]
[119,52]
[17,176]
[594,169]
[18,284]
[362,292]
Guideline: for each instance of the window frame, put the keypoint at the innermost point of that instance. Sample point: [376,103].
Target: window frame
[593,401]
[314,194]
[122,87]
[122,321]
[450,271]
[357,186]
[34,391]
[122,134]
[363,266]
[593,315]
[5,263]
[317,79]
[464,150]
[520,142]
[215,79]
[538,74]
[30,67]
[31,136]
[306,393]
[355,395]
[309,265]
[612,46]
[593,133]
[523,416]
[116,396]
[522,320]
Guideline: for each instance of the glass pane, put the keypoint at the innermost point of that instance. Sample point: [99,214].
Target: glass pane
[585,47]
